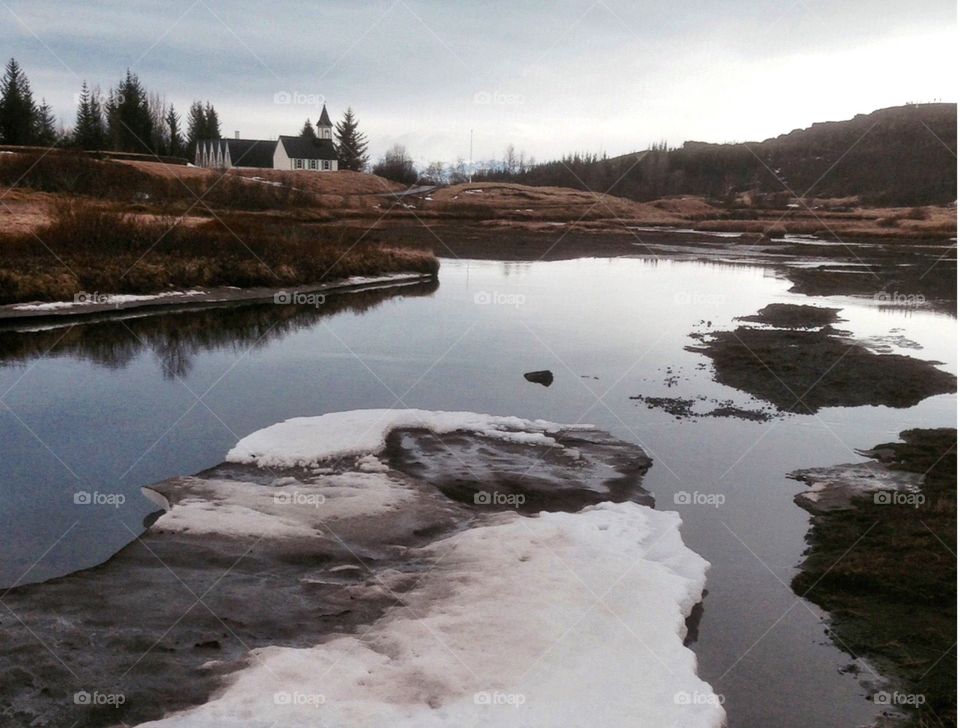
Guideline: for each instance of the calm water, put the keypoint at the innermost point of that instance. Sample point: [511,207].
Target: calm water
[108,407]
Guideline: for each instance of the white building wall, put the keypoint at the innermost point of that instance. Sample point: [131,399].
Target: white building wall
[280,158]
[282,161]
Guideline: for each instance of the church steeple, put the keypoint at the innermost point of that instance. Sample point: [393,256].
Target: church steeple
[324,125]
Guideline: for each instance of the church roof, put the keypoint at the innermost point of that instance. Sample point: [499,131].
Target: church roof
[324,119]
[298,147]
[244,152]
[251,152]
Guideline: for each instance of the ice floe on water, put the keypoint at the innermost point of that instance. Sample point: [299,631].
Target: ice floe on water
[304,441]
[390,568]
[574,619]
[557,620]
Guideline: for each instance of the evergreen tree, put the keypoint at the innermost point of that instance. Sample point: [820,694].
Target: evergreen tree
[176,145]
[129,123]
[308,132]
[351,143]
[89,132]
[212,122]
[196,127]
[17,110]
[44,125]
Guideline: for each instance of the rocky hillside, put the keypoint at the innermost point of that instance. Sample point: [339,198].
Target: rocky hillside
[904,155]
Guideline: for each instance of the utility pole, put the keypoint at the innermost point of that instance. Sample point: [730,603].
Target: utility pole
[471,156]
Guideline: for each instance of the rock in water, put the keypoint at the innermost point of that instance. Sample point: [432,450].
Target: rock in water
[544,377]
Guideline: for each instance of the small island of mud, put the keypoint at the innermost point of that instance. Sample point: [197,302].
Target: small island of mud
[802,368]
[794,316]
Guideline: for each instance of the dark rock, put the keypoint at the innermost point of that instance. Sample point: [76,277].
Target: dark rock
[544,377]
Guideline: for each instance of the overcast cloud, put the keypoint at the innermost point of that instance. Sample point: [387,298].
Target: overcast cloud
[550,77]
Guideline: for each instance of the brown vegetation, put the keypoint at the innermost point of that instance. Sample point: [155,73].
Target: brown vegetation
[91,248]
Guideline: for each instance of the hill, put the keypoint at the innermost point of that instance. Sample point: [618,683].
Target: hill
[903,155]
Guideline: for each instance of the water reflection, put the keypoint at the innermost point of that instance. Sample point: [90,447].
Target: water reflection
[175,340]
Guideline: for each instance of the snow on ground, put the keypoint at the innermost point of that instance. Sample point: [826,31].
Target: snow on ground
[564,619]
[282,510]
[304,441]
[113,299]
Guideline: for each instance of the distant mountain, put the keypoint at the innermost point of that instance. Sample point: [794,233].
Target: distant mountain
[904,155]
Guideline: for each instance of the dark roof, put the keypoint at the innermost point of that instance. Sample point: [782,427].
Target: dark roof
[298,147]
[251,152]
[245,152]
[324,119]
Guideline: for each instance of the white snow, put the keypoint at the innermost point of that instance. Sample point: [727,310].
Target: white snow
[305,441]
[112,299]
[558,620]
[283,509]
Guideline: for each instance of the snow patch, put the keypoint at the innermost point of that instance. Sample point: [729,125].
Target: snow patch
[113,299]
[305,441]
[282,509]
[561,619]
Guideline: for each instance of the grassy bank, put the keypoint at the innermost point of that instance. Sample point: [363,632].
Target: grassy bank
[888,575]
[93,248]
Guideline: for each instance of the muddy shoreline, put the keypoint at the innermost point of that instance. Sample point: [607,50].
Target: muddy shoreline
[882,562]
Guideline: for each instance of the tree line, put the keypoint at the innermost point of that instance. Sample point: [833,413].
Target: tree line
[128,118]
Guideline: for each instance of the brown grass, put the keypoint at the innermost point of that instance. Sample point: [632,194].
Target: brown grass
[91,248]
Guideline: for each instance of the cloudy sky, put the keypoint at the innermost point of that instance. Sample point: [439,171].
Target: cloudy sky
[550,76]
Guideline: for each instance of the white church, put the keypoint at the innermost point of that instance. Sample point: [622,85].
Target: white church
[289,153]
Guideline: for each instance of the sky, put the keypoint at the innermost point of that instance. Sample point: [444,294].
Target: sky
[550,77]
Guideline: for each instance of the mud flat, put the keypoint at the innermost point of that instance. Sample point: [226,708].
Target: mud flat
[882,561]
[378,567]
[803,368]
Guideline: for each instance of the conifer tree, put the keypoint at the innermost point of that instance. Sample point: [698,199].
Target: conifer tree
[196,127]
[351,143]
[44,125]
[212,122]
[89,132]
[129,123]
[176,145]
[17,110]
[308,132]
